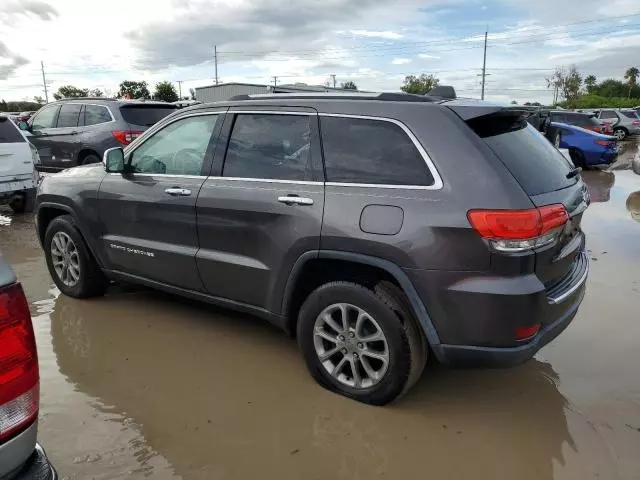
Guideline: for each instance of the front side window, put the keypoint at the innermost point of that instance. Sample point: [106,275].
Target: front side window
[270,146]
[45,117]
[69,114]
[177,149]
[371,152]
[95,114]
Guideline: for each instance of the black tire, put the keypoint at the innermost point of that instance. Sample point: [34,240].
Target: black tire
[92,281]
[622,132]
[406,345]
[577,158]
[25,202]
[90,158]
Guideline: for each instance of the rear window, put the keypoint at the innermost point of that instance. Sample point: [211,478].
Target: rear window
[534,162]
[9,133]
[145,115]
[633,115]
[583,120]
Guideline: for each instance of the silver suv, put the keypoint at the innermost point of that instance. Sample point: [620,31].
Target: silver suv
[623,124]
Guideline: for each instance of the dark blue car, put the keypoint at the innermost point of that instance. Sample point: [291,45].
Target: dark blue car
[587,148]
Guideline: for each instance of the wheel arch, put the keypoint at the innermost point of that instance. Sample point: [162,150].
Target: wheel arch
[85,152]
[309,263]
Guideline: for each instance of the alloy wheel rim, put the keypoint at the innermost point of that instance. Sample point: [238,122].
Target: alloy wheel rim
[351,345]
[65,259]
[619,134]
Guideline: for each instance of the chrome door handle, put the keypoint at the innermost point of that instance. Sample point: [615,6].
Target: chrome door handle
[296,200]
[178,192]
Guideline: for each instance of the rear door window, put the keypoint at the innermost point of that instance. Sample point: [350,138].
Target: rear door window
[534,162]
[68,116]
[95,114]
[633,115]
[607,114]
[269,146]
[9,133]
[145,115]
[370,151]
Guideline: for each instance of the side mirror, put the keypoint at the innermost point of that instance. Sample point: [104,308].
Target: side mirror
[23,126]
[113,160]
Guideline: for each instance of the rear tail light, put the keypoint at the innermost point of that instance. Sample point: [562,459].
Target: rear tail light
[636,123]
[19,378]
[604,143]
[528,332]
[519,230]
[125,137]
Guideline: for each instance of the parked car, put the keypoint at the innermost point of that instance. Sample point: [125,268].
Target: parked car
[18,176]
[379,229]
[77,131]
[586,147]
[622,125]
[583,120]
[24,116]
[21,458]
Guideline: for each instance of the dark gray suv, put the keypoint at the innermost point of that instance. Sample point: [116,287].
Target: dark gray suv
[76,131]
[377,229]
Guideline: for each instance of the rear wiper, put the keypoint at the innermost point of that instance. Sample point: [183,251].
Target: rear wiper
[574,172]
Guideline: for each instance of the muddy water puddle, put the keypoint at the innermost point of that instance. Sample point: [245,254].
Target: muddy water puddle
[140,384]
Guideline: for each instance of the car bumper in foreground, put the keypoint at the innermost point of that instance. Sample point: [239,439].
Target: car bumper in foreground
[37,467]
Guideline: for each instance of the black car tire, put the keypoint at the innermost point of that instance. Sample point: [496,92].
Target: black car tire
[90,158]
[623,131]
[92,281]
[25,202]
[385,303]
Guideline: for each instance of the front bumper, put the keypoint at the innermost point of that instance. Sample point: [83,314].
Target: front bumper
[37,467]
[476,315]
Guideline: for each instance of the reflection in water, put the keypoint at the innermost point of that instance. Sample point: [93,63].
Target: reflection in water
[599,184]
[221,395]
[633,205]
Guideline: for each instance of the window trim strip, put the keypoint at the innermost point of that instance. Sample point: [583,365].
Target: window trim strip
[437,179]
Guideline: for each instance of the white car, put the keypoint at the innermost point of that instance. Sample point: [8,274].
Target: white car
[18,176]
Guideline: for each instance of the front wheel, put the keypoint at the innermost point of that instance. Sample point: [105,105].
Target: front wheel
[620,133]
[71,264]
[359,342]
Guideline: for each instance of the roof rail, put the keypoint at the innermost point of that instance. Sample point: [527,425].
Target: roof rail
[385,96]
[106,99]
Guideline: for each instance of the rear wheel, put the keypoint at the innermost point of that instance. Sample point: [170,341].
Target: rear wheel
[359,342]
[71,265]
[620,133]
[90,158]
[23,202]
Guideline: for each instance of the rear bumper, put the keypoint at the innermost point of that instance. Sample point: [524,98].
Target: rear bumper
[37,467]
[476,315]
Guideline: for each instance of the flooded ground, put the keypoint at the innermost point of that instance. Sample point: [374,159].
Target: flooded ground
[140,384]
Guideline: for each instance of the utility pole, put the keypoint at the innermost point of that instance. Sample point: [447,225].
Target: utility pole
[44,82]
[215,59]
[484,63]
[180,89]
[334,80]
[275,81]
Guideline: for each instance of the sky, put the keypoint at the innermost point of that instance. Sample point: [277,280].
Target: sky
[99,43]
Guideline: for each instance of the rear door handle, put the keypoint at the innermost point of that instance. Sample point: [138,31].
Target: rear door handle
[294,200]
[178,192]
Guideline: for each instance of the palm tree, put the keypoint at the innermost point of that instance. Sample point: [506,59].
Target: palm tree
[590,82]
[631,76]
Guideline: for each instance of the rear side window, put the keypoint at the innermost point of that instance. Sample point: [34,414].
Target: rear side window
[583,120]
[633,115]
[557,117]
[95,114]
[534,162]
[270,146]
[9,133]
[68,116]
[371,151]
[145,115]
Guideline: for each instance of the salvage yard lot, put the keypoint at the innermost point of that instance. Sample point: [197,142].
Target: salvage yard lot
[140,384]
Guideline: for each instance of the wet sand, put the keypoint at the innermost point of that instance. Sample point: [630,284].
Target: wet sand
[141,384]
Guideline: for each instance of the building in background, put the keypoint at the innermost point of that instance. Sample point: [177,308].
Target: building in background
[225,91]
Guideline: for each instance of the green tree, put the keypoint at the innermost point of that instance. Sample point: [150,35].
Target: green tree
[166,92]
[349,85]
[555,81]
[631,76]
[96,92]
[132,89]
[69,91]
[513,102]
[590,82]
[419,85]
[572,83]
[610,88]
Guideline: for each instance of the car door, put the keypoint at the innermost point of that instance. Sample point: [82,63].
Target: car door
[64,138]
[40,127]
[261,209]
[148,216]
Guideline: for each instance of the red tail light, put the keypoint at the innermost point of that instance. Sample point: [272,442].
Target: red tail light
[526,333]
[604,143]
[517,230]
[19,378]
[125,137]
[636,123]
